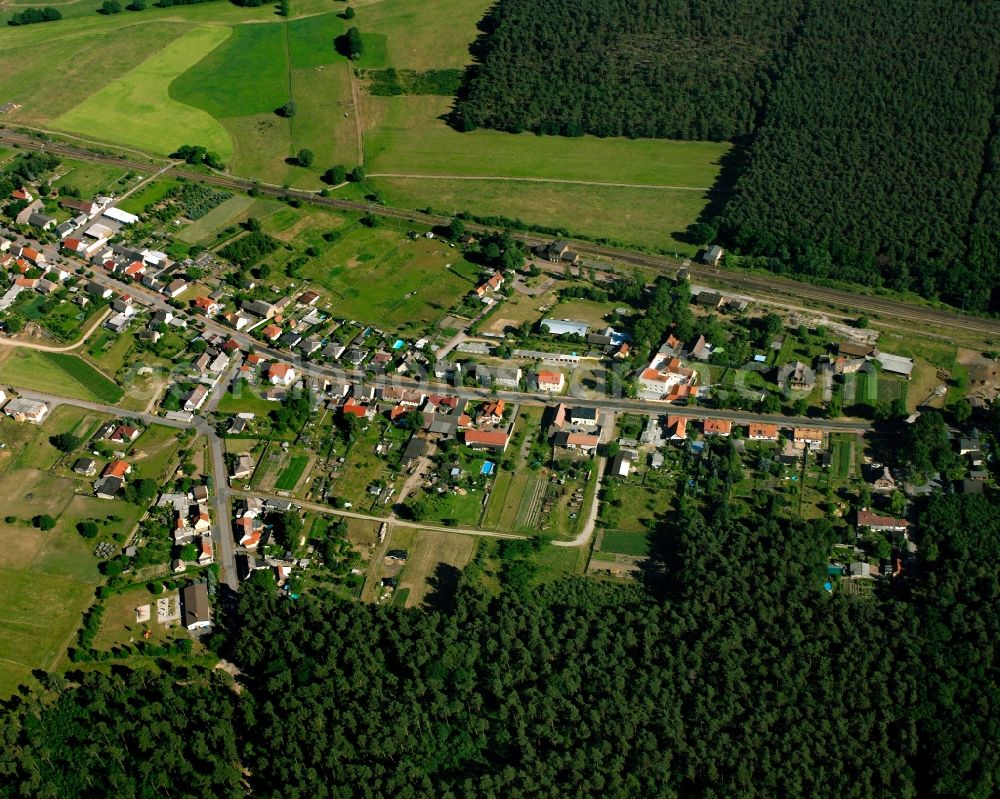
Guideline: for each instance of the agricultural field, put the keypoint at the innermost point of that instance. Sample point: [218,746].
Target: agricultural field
[48,577]
[57,373]
[137,109]
[292,473]
[168,67]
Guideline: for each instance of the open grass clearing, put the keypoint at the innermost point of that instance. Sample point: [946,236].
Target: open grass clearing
[245,400]
[153,451]
[47,578]
[625,543]
[89,177]
[434,563]
[380,276]
[136,109]
[39,613]
[426,36]
[110,352]
[406,135]
[119,627]
[64,419]
[148,196]
[57,373]
[647,217]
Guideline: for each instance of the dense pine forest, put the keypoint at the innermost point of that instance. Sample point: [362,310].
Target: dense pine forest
[731,674]
[680,69]
[867,163]
[866,130]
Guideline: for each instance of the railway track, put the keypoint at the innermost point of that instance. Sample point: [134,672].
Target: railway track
[851,303]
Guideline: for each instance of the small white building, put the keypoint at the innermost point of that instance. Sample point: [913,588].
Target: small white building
[26,410]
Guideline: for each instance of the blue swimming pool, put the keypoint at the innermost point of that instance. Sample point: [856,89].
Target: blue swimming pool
[399,344]
[488,467]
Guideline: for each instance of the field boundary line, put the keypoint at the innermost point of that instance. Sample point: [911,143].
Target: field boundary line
[570,181]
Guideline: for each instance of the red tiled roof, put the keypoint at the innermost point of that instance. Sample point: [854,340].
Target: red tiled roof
[718,426]
[486,437]
[868,519]
[116,469]
[761,430]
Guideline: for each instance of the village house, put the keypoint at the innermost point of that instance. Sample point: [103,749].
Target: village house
[175,288]
[491,440]
[109,487]
[259,308]
[881,524]
[196,611]
[195,399]
[717,427]
[583,417]
[95,289]
[85,466]
[491,413]
[621,464]
[677,428]
[242,467]
[280,374]
[554,382]
[271,332]
[885,483]
[507,377]
[713,255]
[207,306]
[808,436]
[117,468]
[558,252]
[123,434]
[758,431]
[585,442]
[800,377]
[666,378]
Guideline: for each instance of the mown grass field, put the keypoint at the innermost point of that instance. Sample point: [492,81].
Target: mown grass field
[137,110]
[426,35]
[232,210]
[293,61]
[57,373]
